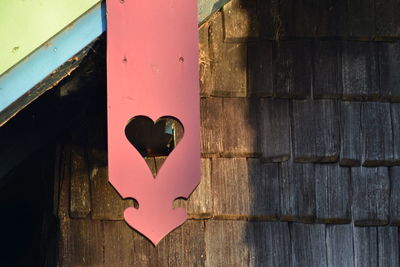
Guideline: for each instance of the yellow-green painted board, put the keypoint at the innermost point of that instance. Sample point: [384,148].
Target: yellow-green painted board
[25,25]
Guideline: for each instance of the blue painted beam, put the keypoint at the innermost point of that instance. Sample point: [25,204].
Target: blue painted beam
[30,71]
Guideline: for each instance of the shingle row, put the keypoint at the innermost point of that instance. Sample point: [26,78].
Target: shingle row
[353,133]
[302,69]
[248,188]
[229,243]
[305,192]
[282,19]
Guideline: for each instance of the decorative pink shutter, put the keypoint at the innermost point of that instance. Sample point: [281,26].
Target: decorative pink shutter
[152,58]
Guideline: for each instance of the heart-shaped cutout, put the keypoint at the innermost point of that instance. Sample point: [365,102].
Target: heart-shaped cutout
[154,140]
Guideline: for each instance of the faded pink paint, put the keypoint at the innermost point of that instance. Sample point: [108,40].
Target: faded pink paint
[152,58]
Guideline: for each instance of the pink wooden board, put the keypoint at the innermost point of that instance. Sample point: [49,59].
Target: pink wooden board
[152,58]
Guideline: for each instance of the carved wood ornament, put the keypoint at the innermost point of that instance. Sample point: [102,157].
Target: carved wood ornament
[152,71]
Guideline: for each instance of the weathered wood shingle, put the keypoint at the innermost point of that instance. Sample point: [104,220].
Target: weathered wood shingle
[333,193]
[389,63]
[230,186]
[377,134]
[226,243]
[80,185]
[293,69]
[260,68]
[274,132]
[395,112]
[228,63]
[118,244]
[81,243]
[240,21]
[387,16]
[211,125]
[339,245]
[388,246]
[371,192]
[269,243]
[360,71]
[361,19]
[350,125]
[333,22]
[365,247]
[327,67]
[315,131]
[308,244]
[306,19]
[264,189]
[297,192]
[239,127]
[395,195]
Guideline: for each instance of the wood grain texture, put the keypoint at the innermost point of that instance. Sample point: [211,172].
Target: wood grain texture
[264,189]
[260,68]
[293,75]
[81,243]
[350,119]
[234,250]
[228,65]
[333,21]
[285,18]
[307,17]
[370,189]
[239,127]
[389,63]
[333,193]
[365,246]
[388,246]
[274,133]
[80,205]
[361,19]
[269,243]
[229,71]
[211,125]
[230,187]
[395,195]
[205,60]
[63,189]
[327,69]
[107,204]
[377,134]
[387,22]
[395,112]
[267,15]
[315,131]
[308,244]
[297,192]
[339,244]
[240,21]
[360,71]
[118,244]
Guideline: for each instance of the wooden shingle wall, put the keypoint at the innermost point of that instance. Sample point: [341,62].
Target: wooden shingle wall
[300,147]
